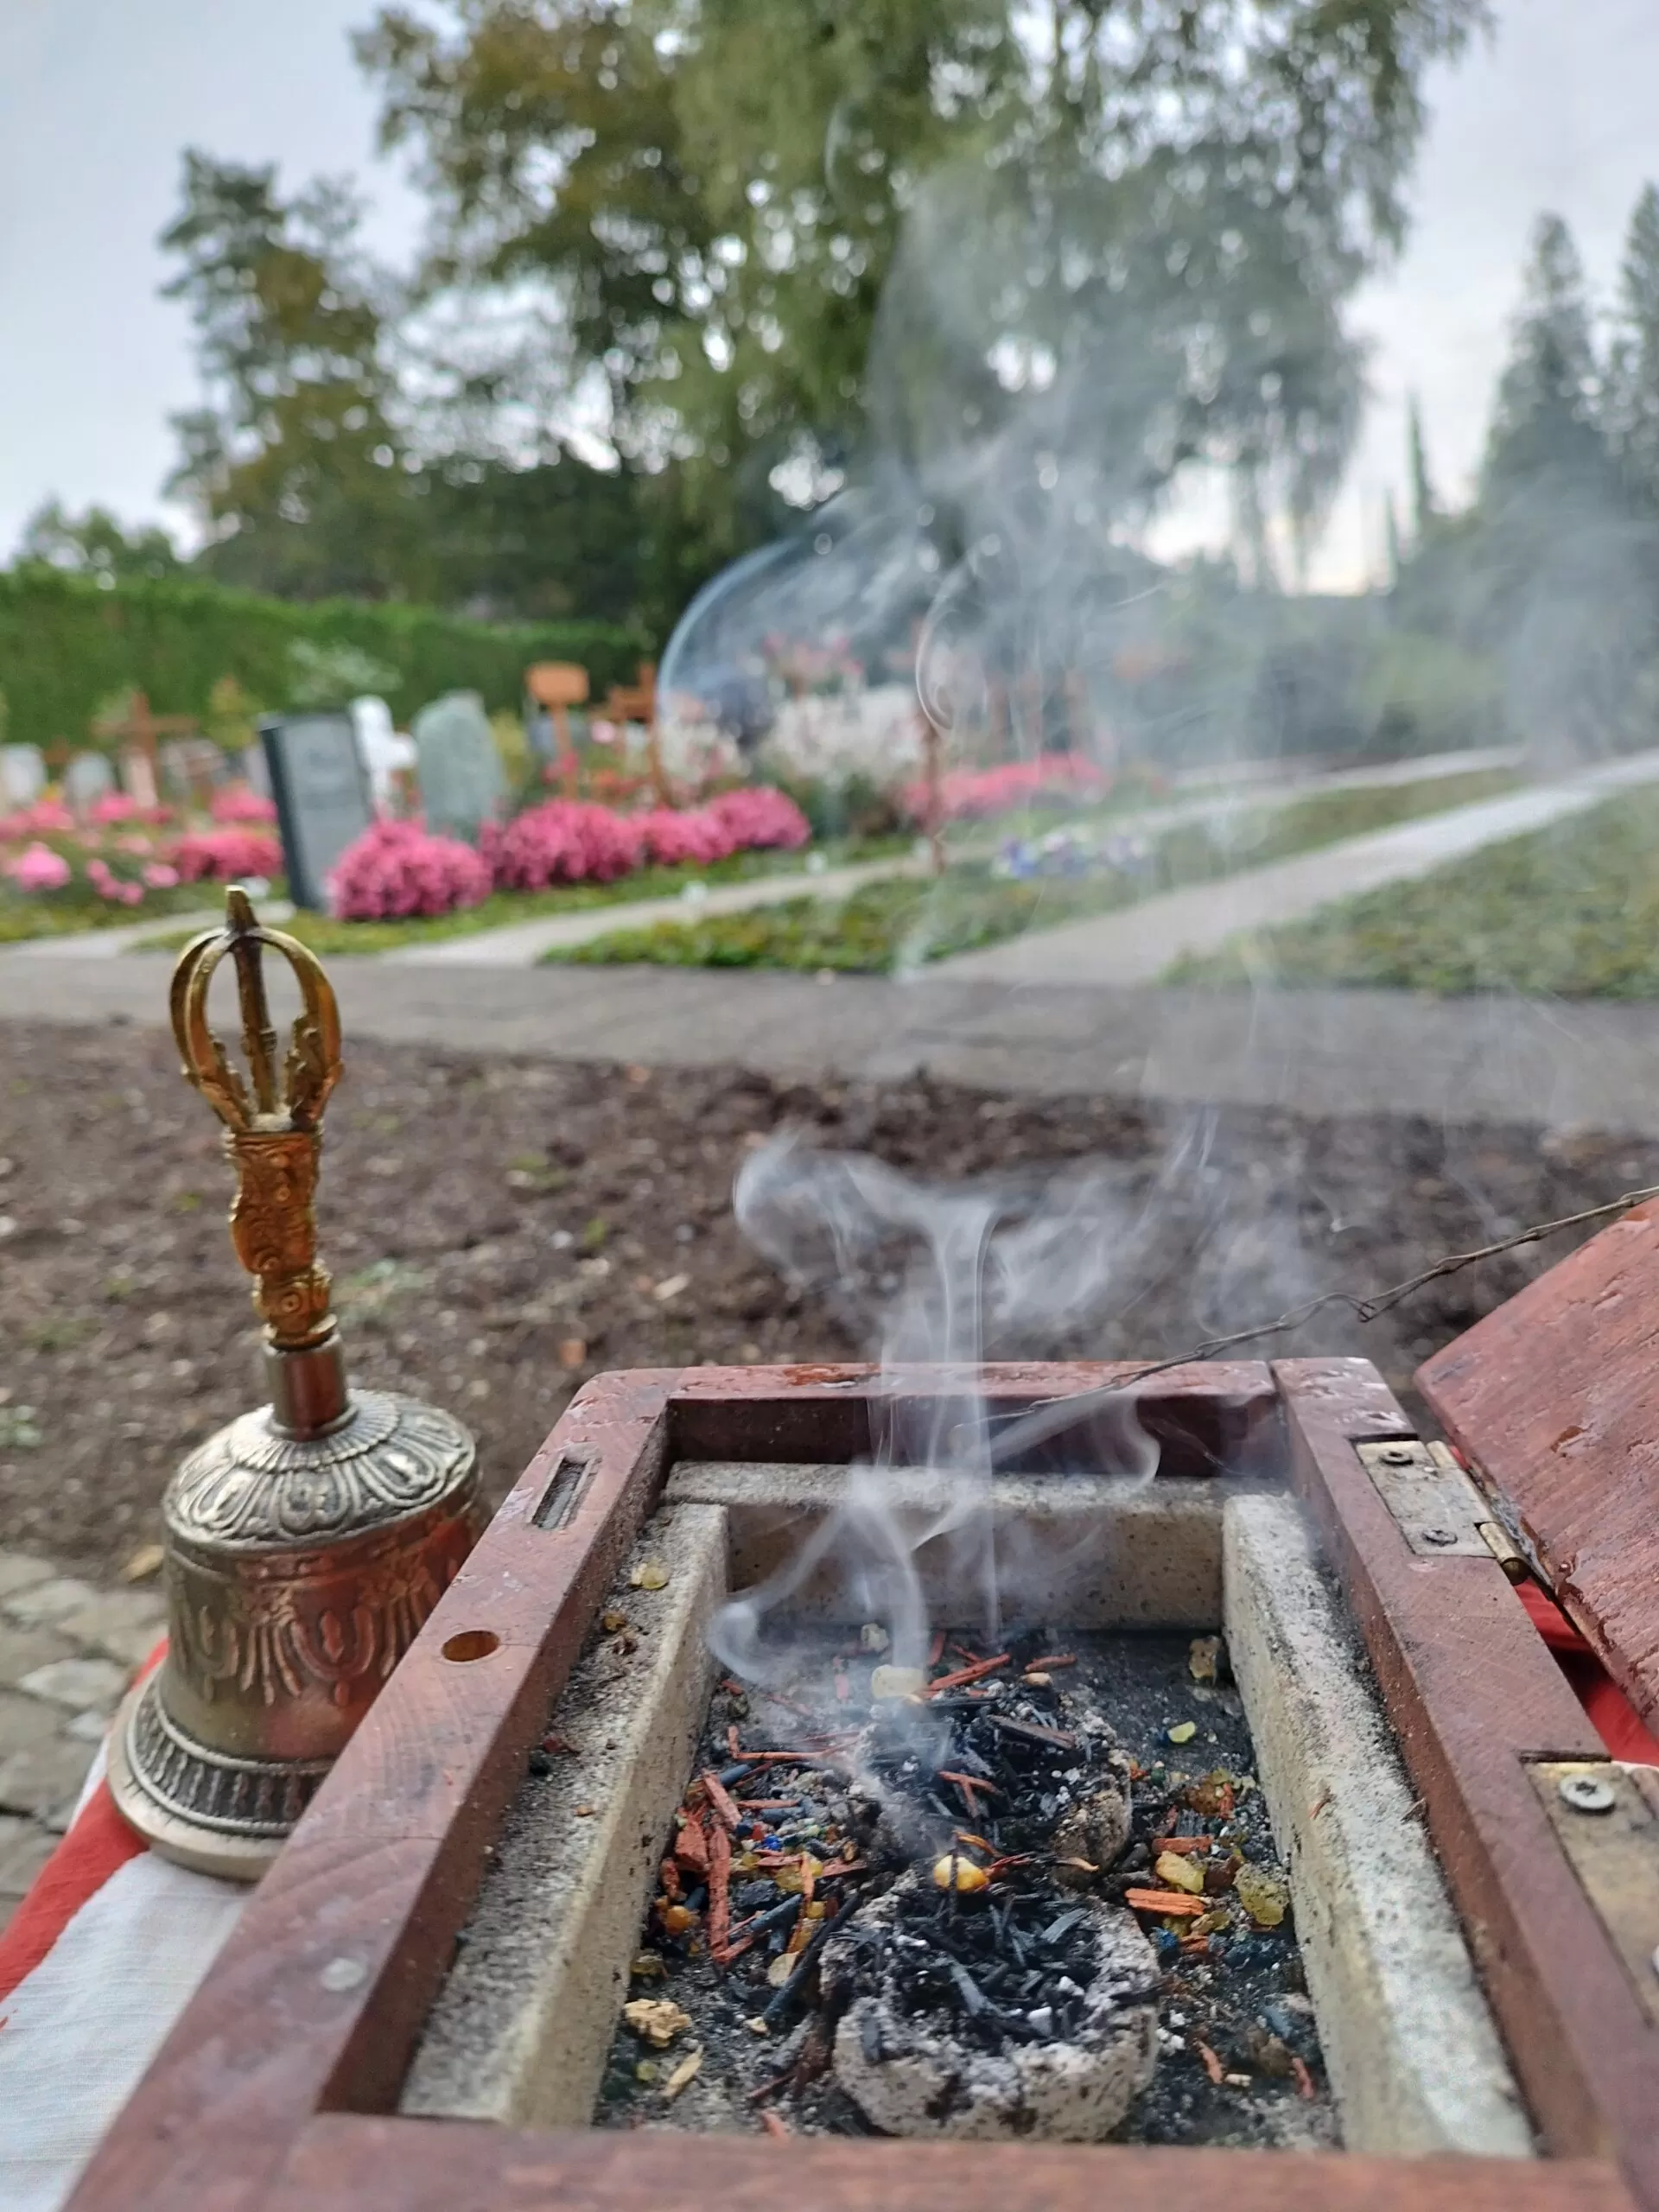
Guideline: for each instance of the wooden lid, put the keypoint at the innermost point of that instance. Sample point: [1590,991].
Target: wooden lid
[1554,1400]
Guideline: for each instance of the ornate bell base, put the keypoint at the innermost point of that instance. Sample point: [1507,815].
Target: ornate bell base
[163,1780]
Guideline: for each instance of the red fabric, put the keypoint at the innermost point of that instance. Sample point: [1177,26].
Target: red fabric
[98,1843]
[1614,1718]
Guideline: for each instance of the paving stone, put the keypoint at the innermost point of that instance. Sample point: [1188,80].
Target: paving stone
[45,1604]
[24,1722]
[87,1727]
[125,1624]
[79,1683]
[25,1846]
[18,1570]
[44,1779]
[23,1649]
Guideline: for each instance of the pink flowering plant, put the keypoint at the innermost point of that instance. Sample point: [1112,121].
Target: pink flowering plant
[116,807]
[47,817]
[38,868]
[563,841]
[224,856]
[398,869]
[759,819]
[119,859]
[980,794]
[238,803]
[395,869]
[677,838]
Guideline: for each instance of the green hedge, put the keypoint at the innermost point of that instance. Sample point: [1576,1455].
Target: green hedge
[66,644]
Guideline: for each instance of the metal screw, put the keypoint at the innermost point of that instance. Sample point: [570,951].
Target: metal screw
[1397,1455]
[340,1974]
[1439,1535]
[1587,1793]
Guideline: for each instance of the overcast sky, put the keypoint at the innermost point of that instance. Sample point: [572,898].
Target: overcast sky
[98,96]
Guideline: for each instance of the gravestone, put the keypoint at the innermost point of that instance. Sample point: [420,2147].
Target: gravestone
[321,791]
[251,767]
[191,767]
[462,783]
[88,778]
[138,776]
[23,775]
[387,753]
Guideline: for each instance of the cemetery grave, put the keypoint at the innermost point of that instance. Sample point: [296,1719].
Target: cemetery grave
[1571,911]
[1044,877]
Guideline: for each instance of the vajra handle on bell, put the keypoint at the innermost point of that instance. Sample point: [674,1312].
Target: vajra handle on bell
[273,1135]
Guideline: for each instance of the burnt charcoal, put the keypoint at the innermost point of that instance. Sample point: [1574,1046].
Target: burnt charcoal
[1056,1928]
[997,1973]
[968,1989]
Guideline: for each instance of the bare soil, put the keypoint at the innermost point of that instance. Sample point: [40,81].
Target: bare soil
[500,1230]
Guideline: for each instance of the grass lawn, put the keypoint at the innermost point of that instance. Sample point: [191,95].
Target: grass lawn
[21,918]
[901,923]
[325,935]
[1571,911]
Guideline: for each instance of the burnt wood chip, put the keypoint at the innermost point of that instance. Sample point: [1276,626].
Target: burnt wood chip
[1032,1731]
[968,1989]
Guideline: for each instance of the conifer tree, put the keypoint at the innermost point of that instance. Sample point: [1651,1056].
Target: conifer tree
[1424,508]
[1545,422]
[1632,407]
[1561,569]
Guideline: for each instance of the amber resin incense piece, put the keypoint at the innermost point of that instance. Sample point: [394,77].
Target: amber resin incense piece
[306,1542]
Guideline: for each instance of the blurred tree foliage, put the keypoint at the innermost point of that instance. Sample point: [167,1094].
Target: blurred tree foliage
[96,544]
[1169,199]
[294,466]
[315,470]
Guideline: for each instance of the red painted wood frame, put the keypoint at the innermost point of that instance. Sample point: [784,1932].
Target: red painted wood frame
[277,2087]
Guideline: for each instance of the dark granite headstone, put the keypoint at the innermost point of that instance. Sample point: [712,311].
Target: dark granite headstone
[321,791]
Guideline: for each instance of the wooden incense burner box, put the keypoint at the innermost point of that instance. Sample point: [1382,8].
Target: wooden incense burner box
[284,2084]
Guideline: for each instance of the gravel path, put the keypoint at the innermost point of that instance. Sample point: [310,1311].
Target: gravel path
[1463,1061]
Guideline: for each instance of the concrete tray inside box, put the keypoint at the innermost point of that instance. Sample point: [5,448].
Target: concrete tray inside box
[337,1999]
[521,2029]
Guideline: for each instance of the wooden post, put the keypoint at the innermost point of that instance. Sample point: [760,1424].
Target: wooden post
[638,704]
[138,727]
[558,686]
[933,785]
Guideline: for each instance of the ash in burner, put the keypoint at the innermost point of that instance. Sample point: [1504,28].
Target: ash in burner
[1001,1969]
[825,1981]
[949,2030]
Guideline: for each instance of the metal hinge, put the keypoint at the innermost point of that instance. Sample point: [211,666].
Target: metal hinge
[1435,1506]
[1604,1816]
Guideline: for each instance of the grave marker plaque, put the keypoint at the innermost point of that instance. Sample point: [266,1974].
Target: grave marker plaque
[322,792]
[461,780]
[23,775]
[88,778]
[138,776]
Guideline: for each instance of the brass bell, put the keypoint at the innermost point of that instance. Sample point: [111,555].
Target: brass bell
[308,1541]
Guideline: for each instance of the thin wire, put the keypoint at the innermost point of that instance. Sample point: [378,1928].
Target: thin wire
[1048,1416]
